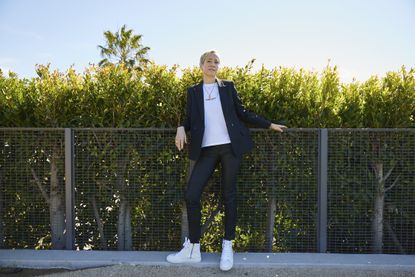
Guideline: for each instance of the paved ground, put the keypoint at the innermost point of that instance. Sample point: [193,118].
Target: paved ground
[153,263]
[189,271]
[27,272]
[150,271]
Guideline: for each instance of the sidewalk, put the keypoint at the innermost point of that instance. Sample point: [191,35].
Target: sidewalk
[152,263]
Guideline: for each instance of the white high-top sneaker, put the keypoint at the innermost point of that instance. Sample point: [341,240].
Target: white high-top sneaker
[226,259]
[190,253]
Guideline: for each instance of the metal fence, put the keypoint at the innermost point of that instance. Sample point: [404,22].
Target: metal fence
[305,190]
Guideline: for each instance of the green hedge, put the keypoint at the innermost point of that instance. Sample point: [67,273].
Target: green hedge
[116,97]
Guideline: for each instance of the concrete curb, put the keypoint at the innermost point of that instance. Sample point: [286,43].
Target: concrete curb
[89,259]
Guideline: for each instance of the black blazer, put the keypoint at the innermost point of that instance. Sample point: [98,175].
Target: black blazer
[233,111]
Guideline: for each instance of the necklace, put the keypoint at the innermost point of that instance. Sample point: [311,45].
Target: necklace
[209,93]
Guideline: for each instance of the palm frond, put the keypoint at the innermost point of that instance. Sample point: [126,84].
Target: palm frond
[123,47]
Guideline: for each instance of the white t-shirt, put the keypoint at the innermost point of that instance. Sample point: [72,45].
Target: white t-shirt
[216,132]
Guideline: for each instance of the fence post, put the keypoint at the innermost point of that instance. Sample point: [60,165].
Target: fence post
[322,190]
[69,189]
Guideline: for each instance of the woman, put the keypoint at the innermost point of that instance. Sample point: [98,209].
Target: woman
[213,117]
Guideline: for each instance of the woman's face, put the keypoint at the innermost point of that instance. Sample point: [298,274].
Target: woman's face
[211,65]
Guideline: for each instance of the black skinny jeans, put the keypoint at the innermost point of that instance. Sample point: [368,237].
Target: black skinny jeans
[202,170]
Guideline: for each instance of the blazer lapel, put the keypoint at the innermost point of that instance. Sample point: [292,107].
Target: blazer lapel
[223,94]
[200,104]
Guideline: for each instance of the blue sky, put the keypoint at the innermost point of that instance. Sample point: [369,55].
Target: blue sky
[361,37]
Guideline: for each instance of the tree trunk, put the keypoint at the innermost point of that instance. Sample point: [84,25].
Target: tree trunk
[128,237]
[394,238]
[377,223]
[269,236]
[120,226]
[377,227]
[1,213]
[185,222]
[56,207]
[100,225]
[210,219]
[124,226]
[272,201]
[124,218]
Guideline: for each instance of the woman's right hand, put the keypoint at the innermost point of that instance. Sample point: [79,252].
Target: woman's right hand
[180,138]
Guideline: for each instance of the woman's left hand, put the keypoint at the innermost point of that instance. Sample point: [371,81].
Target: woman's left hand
[277,127]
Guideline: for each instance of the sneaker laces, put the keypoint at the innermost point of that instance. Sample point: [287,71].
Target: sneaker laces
[186,244]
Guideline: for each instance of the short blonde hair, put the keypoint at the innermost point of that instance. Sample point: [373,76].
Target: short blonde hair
[206,54]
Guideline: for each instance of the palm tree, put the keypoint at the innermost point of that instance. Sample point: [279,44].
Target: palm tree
[125,48]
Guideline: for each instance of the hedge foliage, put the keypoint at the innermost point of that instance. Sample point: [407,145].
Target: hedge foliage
[155,97]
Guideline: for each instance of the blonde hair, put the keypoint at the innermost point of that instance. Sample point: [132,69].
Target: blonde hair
[206,54]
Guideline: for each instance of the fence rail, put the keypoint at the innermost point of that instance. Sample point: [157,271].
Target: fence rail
[305,190]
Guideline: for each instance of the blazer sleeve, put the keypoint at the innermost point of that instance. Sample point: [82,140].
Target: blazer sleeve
[186,122]
[244,114]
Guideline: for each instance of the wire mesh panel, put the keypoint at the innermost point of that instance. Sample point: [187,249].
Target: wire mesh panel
[277,195]
[130,183]
[32,207]
[129,187]
[371,191]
